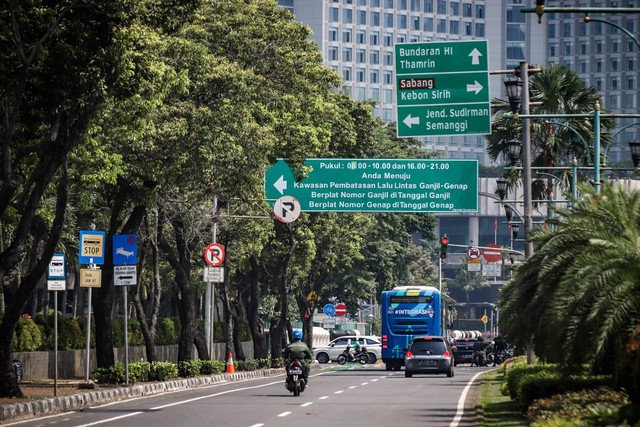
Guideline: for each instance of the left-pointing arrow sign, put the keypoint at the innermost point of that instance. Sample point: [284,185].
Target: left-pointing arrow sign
[281,184]
[409,121]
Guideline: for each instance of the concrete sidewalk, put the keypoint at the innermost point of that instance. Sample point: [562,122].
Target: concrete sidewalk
[59,404]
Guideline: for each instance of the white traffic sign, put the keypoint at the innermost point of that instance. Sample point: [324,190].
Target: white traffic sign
[56,285]
[56,267]
[287,209]
[474,265]
[214,254]
[125,275]
[214,274]
[492,269]
[329,323]
[473,252]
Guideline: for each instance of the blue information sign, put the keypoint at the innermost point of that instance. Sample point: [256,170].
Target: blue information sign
[91,247]
[125,249]
[329,310]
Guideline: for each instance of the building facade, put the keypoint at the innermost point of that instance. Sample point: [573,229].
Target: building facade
[605,58]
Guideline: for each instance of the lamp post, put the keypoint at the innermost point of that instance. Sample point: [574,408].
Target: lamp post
[635,154]
[519,102]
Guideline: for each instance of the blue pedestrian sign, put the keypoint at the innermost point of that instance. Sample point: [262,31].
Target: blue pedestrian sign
[329,310]
[125,249]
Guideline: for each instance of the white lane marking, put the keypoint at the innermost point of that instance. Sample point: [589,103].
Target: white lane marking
[306,404]
[108,420]
[212,395]
[39,418]
[338,392]
[463,396]
[374,380]
[352,387]
[257,425]
[323,397]
[284,414]
[364,383]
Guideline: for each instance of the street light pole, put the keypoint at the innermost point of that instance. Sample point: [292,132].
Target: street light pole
[526,159]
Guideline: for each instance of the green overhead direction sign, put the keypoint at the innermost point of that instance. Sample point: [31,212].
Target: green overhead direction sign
[442,88]
[378,185]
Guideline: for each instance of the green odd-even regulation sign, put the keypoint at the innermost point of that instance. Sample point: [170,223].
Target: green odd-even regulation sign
[378,185]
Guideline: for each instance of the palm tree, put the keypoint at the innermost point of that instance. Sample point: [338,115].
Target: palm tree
[579,294]
[469,281]
[554,90]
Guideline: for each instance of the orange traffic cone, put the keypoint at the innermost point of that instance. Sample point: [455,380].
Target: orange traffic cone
[230,367]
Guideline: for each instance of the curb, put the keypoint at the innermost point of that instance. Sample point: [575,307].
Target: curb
[54,405]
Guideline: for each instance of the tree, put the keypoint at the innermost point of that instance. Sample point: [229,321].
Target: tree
[469,281]
[59,64]
[579,289]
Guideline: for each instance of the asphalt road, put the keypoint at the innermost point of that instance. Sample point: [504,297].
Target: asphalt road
[337,396]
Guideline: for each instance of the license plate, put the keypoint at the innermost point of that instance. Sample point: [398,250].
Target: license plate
[295,371]
[428,363]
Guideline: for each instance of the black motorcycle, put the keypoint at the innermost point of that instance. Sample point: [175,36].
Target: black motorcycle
[295,381]
[361,357]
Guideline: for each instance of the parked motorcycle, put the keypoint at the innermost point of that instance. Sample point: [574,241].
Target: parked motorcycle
[362,358]
[295,381]
[499,357]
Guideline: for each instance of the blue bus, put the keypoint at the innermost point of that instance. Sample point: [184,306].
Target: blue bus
[409,311]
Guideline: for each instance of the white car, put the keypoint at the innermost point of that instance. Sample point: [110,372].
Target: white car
[330,352]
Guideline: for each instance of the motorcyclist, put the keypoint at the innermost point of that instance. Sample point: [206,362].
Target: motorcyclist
[498,345]
[298,350]
[356,348]
[478,352]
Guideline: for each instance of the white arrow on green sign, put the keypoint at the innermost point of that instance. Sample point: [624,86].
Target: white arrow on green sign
[379,185]
[442,88]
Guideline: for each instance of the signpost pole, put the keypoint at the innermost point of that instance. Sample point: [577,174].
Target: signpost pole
[55,345]
[88,352]
[126,338]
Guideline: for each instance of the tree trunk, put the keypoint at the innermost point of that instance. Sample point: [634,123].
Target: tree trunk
[251,298]
[282,284]
[43,248]
[181,262]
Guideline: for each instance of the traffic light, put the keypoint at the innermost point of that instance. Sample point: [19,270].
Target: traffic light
[444,246]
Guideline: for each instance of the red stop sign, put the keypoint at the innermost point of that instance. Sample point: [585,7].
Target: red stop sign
[492,255]
[341,309]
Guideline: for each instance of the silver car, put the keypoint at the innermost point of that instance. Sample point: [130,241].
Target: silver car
[428,355]
[330,352]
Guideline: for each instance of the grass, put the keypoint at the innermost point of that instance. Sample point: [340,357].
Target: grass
[498,410]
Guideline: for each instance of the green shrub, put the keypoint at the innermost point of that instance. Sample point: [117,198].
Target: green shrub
[111,375]
[70,334]
[27,336]
[516,373]
[545,384]
[627,415]
[575,405]
[189,369]
[138,371]
[212,367]
[247,365]
[162,371]
[264,363]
